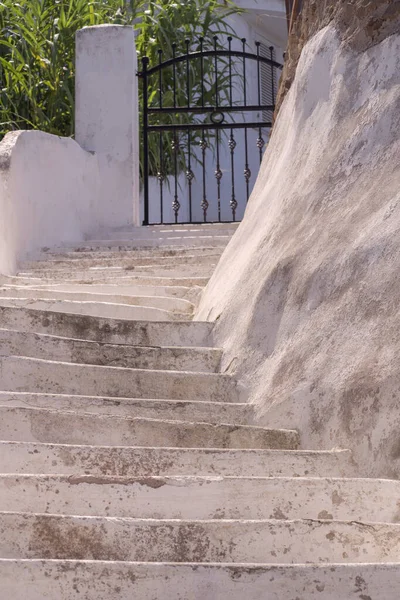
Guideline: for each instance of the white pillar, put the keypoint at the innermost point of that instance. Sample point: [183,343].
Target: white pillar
[106,118]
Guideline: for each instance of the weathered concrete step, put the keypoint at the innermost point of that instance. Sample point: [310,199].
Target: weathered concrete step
[128,244]
[47,347]
[124,241]
[23,457]
[148,540]
[170,410]
[176,228]
[113,289]
[123,260]
[203,498]
[190,236]
[167,303]
[111,331]
[128,279]
[56,427]
[20,374]
[105,310]
[111,273]
[100,580]
[187,235]
[78,252]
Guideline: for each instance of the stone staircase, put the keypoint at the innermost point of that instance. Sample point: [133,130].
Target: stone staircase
[131,468]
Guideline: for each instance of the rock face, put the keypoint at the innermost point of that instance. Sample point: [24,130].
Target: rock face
[306,295]
[360,25]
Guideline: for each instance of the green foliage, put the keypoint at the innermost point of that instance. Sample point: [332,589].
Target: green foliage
[37,45]
[173,28]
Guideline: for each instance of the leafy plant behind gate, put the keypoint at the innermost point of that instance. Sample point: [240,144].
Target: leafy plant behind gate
[176,29]
[37,51]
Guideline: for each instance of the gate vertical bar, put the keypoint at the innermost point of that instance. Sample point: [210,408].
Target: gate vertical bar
[216,70]
[271,53]
[201,40]
[218,172]
[232,142]
[189,173]
[218,175]
[204,202]
[174,71]
[203,143]
[145,62]
[246,172]
[161,175]
[260,141]
[243,40]
[175,145]
[176,205]
[187,73]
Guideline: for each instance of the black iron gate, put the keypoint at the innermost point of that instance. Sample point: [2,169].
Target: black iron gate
[193,106]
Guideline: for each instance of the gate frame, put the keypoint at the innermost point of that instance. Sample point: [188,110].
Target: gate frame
[214,110]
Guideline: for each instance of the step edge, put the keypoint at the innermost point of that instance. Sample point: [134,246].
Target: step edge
[178,449]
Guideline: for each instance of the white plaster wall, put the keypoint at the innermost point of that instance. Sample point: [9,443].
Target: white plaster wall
[306,296]
[55,190]
[107,116]
[269,17]
[49,194]
[8,243]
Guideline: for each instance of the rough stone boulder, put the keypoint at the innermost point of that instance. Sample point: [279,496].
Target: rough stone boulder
[307,294]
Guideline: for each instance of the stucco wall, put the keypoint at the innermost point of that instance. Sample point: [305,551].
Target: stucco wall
[306,296]
[49,194]
[8,243]
[55,190]
[107,116]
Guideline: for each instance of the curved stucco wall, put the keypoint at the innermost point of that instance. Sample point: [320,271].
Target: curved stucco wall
[49,194]
[306,297]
